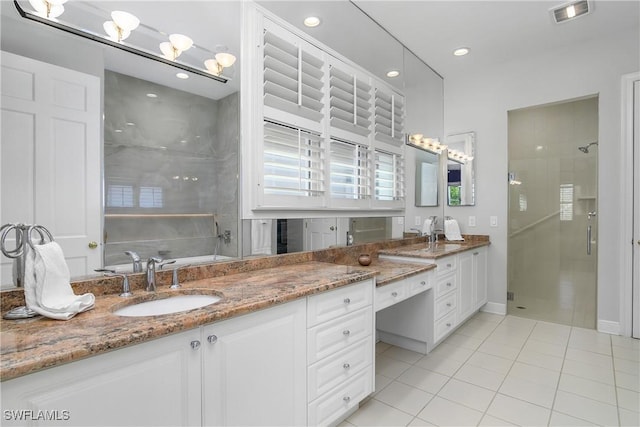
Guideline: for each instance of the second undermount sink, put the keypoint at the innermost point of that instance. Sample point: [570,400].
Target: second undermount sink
[174,304]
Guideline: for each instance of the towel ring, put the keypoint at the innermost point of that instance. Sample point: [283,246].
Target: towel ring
[19,247]
[42,232]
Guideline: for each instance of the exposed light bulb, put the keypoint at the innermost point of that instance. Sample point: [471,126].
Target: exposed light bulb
[571,11]
[180,42]
[168,51]
[213,67]
[225,59]
[125,20]
[48,8]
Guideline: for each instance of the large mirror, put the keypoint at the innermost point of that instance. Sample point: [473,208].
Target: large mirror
[426,179]
[461,188]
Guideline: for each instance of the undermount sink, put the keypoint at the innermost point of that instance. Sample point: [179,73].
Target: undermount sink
[174,304]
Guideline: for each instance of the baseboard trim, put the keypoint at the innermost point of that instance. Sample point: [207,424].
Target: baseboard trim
[403,342]
[495,308]
[609,327]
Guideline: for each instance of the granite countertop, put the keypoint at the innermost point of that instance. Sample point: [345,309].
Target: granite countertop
[435,250]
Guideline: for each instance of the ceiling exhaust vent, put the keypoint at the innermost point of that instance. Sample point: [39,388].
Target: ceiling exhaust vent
[571,10]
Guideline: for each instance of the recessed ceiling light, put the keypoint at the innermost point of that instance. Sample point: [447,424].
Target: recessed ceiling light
[152,95]
[130,124]
[182,75]
[312,21]
[393,73]
[571,10]
[118,130]
[461,51]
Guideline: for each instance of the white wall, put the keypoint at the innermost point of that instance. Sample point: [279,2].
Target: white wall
[480,102]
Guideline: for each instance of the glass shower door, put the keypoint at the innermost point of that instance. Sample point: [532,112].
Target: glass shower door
[553,223]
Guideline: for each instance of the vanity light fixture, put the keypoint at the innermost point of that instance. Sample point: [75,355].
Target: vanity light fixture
[222,60]
[48,8]
[431,145]
[571,10]
[461,51]
[393,73]
[177,44]
[121,25]
[311,21]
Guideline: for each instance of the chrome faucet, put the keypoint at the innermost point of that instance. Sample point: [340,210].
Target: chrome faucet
[433,234]
[152,263]
[126,289]
[137,263]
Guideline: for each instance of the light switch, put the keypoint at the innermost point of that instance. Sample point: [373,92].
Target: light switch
[493,221]
[418,220]
[472,221]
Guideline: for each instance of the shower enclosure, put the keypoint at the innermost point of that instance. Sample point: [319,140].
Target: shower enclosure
[553,222]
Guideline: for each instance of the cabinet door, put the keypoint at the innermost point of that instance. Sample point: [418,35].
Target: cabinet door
[254,368]
[480,274]
[152,384]
[466,300]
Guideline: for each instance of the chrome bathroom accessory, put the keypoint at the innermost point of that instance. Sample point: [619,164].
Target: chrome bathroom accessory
[152,263]
[126,289]
[24,242]
[175,283]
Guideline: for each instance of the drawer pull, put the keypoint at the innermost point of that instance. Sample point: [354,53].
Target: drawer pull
[394,294]
[449,284]
[448,265]
[476,253]
[448,325]
[195,344]
[423,283]
[346,366]
[347,399]
[212,339]
[346,332]
[448,304]
[347,300]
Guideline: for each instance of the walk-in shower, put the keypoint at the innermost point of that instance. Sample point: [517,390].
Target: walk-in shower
[585,148]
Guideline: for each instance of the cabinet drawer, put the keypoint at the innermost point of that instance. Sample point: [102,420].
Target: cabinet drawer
[336,402]
[419,283]
[446,284]
[446,265]
[390,294]
[330,337]
[444,326]
[446,304]
[330,372]
[329,305]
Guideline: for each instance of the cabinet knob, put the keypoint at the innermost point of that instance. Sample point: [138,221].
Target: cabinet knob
[476,253]
[195,344]
[448,325]
[346,366]
[93,245]
[448,265]
[394,294]
[448,304]
[212,339]
[449,284]
[346,332]
[423,283]
[347,399]
[347,300]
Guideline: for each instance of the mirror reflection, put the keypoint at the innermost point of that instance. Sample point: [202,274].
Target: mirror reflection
[427,171]
[461,169]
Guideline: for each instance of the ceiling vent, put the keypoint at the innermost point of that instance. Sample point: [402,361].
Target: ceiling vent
[571,10]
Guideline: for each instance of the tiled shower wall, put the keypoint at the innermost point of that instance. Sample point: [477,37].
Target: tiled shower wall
[171,171]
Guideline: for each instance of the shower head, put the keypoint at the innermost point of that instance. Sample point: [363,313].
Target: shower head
[585,148]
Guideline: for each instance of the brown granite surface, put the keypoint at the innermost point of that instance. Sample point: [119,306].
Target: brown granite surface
[438,249]
[30,345]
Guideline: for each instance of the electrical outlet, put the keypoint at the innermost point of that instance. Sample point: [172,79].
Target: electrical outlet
[493,221]
[418,220]
[472,221]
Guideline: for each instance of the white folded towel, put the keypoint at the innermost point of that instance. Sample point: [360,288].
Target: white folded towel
[452,230]
[426,227]
[47,287]
[261,237]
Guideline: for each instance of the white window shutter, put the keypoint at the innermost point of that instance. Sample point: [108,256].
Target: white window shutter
[389,116]
[350,102]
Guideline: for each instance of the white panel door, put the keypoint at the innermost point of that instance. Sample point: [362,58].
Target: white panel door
[320,233]
[50,157]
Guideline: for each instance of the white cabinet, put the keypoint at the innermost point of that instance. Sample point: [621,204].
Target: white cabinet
[340,351]
[473,281]
[156,383]
[480,275]
[447,297]
[254,368]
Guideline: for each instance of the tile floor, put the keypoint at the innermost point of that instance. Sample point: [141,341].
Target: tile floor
[501,371]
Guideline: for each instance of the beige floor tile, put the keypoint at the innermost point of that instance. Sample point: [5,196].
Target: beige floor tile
[535,374]
[443,412]
[620,341]
[596,359]
[376,413]
[466,394]
[561,420]
[628,381]
[345,423]
[587,388]
[440,364]
[626,353]
[528,391]
[627,366]
[451,351]
[507,340]
[555,350]
[480,377]
[585,370]
[464,341]
[417,422]
[390,367]
[590,340]
[490,362]
[405,398]
[489,317]
[499,350]
[382,347]
[381,382]
[535,358]
[491,421]
[628,399]
[629,418]
[518,411]
[403,355]
[423,379]
[588,409]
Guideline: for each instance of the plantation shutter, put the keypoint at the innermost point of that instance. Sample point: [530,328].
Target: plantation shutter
[350,102]
[389,176]
[293,161]
[389,116]
[350,165]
